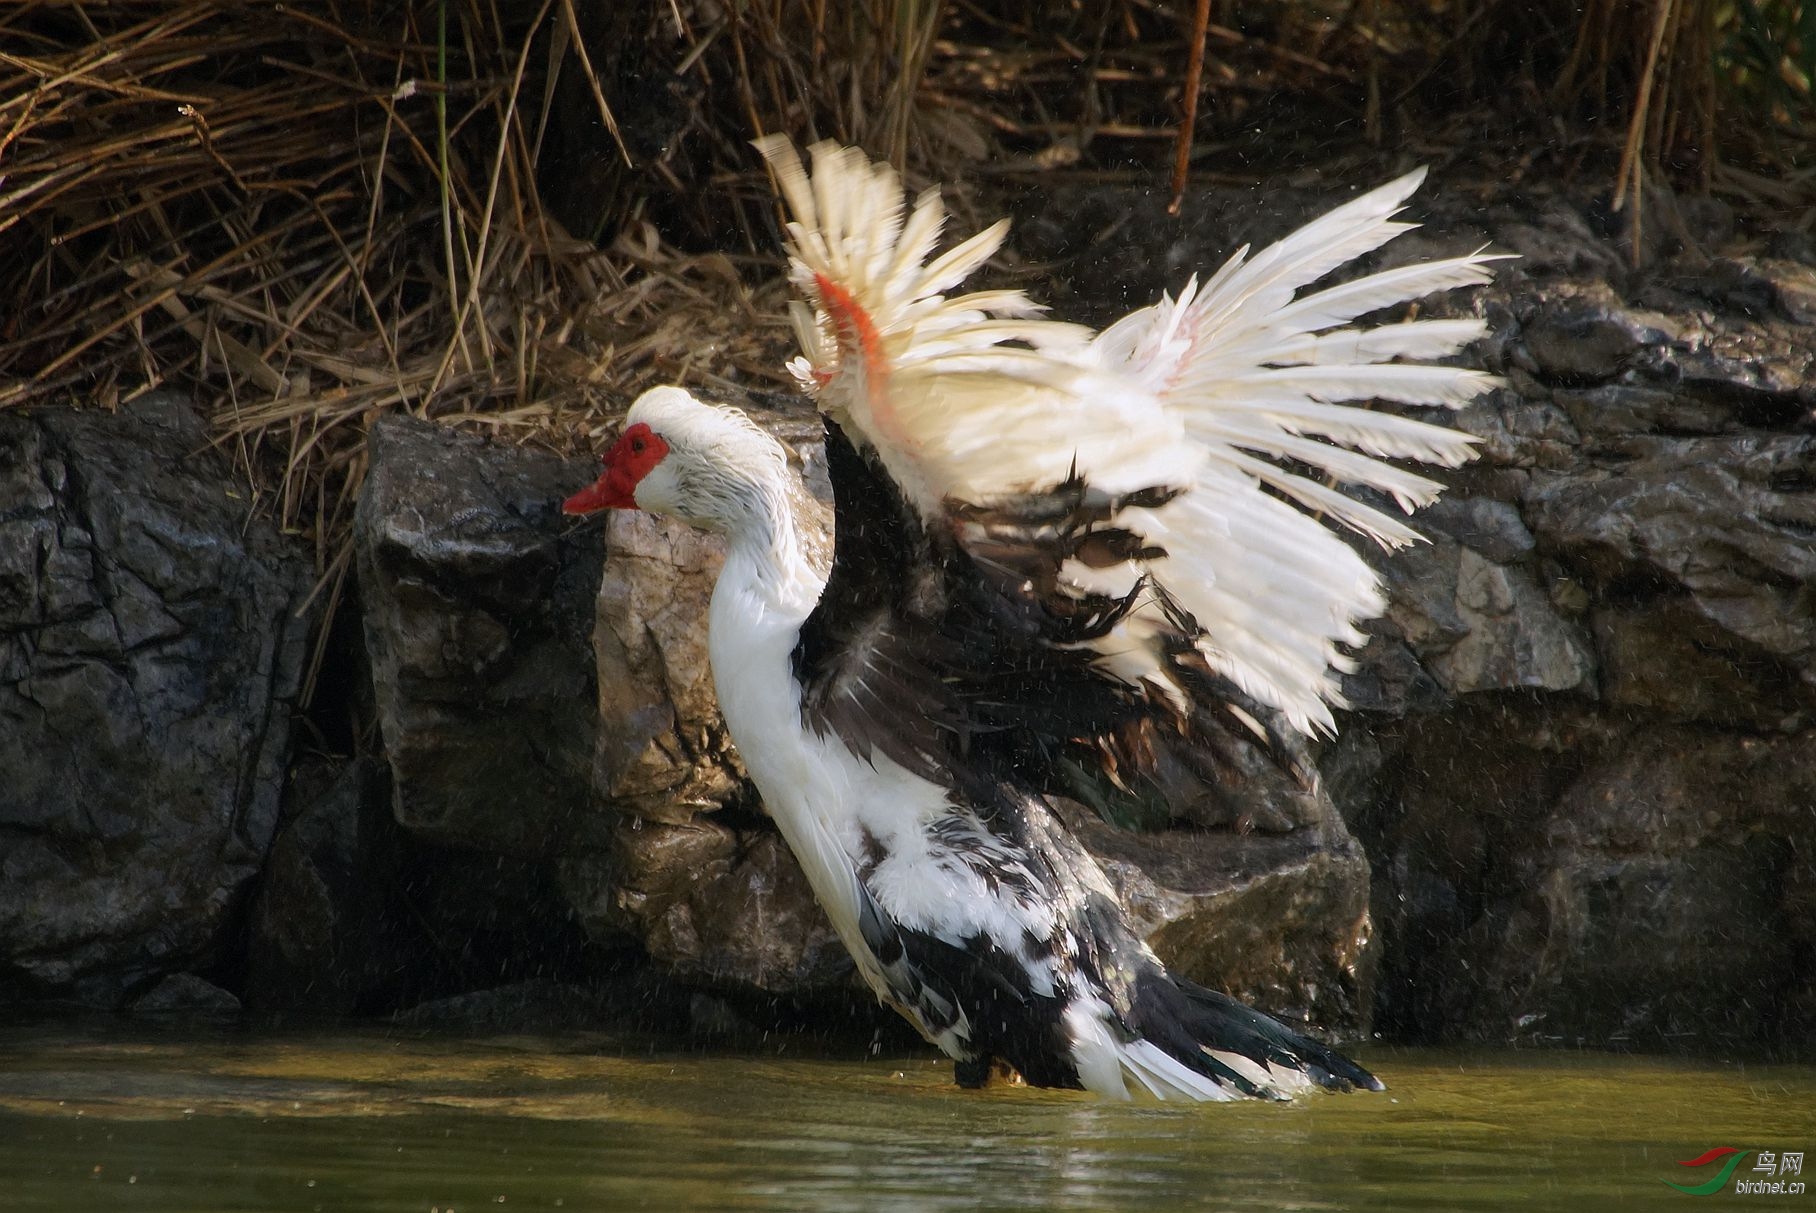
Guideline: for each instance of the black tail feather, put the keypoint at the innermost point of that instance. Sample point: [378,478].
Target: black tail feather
[1192,1023]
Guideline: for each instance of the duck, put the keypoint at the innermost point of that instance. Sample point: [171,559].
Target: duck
[1062,558]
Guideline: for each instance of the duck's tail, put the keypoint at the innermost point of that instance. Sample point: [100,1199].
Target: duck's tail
[1194,1043]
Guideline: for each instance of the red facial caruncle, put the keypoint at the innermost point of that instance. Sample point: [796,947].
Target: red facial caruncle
[626,464]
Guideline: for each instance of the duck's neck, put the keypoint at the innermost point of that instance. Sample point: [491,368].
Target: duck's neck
[767,564]
[764,594]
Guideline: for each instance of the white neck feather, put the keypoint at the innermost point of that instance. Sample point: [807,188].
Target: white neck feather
[764,594]
[767,565]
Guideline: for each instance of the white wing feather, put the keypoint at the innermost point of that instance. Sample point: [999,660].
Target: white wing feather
[1231,389]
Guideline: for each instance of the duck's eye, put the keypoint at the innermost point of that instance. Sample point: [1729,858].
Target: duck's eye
[637,445]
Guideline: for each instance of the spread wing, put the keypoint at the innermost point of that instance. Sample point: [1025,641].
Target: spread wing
[1153,503]
[968,664]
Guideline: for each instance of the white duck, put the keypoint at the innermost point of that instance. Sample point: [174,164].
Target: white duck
[1057,552]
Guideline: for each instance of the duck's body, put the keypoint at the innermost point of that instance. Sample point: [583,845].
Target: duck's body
[981,646]
[965,902]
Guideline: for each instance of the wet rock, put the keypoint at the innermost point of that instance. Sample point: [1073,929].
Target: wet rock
[1583,331]
[1629,559]
[1555,239]
[1497,630]
[1523,429]
[478,613]
[1515,639]
[150,653]
[504,759]
[1661,656]
[1615,856]
[1492,528]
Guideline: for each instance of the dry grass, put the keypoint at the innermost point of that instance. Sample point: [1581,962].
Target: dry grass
[307,221]
[307,215]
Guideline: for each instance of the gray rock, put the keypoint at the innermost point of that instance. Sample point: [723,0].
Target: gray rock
[1523,429]
[1478,625]
[1663,657]
[1514,638]
[1487,526]
[150,653]
[1613,863]
[1722,523]
[1555,239]
[478,606]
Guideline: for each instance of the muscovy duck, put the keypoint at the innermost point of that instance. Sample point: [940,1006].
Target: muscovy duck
[1058,556]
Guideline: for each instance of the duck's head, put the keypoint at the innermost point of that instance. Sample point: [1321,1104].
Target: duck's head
[709,466]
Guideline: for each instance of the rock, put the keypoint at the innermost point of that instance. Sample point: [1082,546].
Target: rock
[1554,239]
[533,791]
[186,994]
[663,751]
[1664,658]
[1614,610]
[1583,331]
[1624,871]
[1489,527]
[1471,622]
[1721,525]
[357,916]
[150,655]
[1515,639]
[327,934]
[1524,429]
[1644,900]
[478,613]
[716,907]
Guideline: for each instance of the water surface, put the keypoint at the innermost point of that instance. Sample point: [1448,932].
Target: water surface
[239,1122]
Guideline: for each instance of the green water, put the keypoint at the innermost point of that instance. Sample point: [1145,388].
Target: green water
[245,1122]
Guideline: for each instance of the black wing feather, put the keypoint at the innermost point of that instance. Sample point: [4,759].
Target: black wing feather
[941,654]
